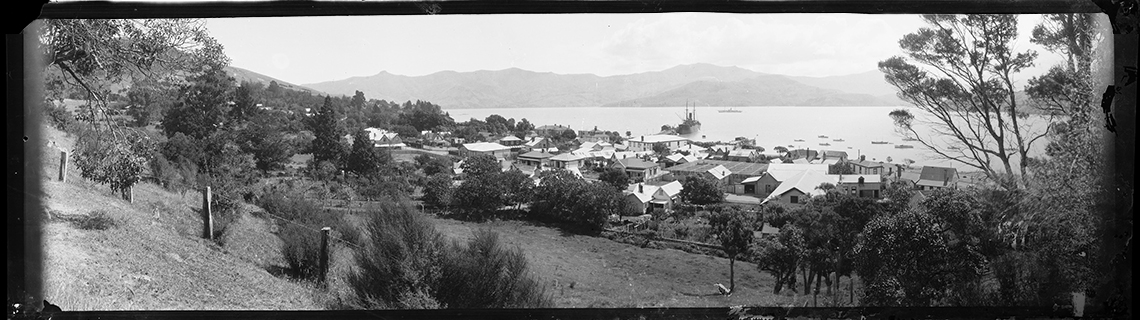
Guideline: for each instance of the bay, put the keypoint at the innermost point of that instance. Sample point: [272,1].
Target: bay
[770,126]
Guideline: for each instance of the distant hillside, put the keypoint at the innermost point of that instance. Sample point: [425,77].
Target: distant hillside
[240,75]
[517,88]
[767,90]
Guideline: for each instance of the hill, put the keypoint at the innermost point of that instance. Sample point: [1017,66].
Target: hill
[766,90]
[240,75]
[151,257]
[517,88]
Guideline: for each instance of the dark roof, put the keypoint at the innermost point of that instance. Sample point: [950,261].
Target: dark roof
[939,174]
[741,168]
[696,166]
[637,163]
[868,164]
[831,153]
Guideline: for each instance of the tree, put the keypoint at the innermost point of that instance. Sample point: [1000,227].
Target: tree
[432,165]
[615,177]
[524,126]
[970,95]
[479,196]
[365,159]
[202,106]
[701,191]
[149,101]
[480,165]
[732,228]
[119,163]
[780,149]
[247,97]
[781,256]
[327,128]
[437,190]
[264,138]
[91,55]
[517,187]
[660,149]
[568,135]
[562,196]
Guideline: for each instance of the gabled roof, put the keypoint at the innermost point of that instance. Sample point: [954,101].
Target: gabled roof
[536,155]
[671,189]
[485,146]
[636,163]
[939,174]
[784,171]
[868,164]
[742,153]
[835,154]
[510,138]
[567,157]
[752,179]
[740,168]
[719,172]
[536,142]
[830,161]
[645,194]
[805,182]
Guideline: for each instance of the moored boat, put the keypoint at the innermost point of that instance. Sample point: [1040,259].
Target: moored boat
[825,144]
[879,142]
[822,136]
[903,146]
[729,110]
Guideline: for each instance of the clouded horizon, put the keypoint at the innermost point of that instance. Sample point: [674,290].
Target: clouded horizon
[305,50]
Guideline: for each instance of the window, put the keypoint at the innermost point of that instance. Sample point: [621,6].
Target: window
[795,199]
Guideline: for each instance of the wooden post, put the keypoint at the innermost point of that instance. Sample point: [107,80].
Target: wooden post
[325,254]
[130,194]
[63,166]
[207,215]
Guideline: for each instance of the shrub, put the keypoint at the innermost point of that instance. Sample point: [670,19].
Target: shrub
[58,116]
[287,207]
[407,264]
[302,249]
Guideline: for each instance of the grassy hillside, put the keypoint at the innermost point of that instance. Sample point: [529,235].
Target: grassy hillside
[151,257]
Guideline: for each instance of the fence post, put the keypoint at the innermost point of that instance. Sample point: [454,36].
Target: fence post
[131,194]
[63,166]
[207,215]
[325,254]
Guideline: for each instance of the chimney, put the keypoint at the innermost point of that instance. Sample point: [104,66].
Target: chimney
[640,188]
[862,158]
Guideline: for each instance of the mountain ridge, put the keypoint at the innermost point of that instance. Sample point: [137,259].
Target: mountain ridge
[519,88]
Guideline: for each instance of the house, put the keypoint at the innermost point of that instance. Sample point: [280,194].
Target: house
[862,166]
[863,186]
[932,178]
[649,198]
[637,169]
[743,155]
[675,159]
[551,130]
[513,142]
[539,143]
[802,154]
[489,148]
[777,173]
[716,172]
[534,158]
[567,160]
[646,143]
[801,187]
[383,138]
[832,154]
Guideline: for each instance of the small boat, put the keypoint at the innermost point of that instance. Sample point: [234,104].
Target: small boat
[822,136]
[791,146]
[729,110]
[838,140]
[799,140]
[910,139]
[904,146]
[848,147]
[825,144]
[879,142]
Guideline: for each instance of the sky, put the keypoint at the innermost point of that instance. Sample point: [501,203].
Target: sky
[304,50]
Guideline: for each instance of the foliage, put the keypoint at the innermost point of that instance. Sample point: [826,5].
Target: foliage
[407,264]
[615,177]
[780,256]
[94,54]
[365,159]
[264,138]
[437,190]
[562,196]
[516,186]
[432,165]
[301,248]
[94,220]
[701,191]
[479,196]
[484,274]
[149,101]
[118,161]
[58,116]
[202,105]
[480,165]
[733,229]
[971,96]
[329,131]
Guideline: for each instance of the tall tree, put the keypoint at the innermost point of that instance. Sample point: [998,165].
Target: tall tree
[480,165]
[732,227]
[202,106]
[967,88]
[328,130]
[701,191]
[364,158]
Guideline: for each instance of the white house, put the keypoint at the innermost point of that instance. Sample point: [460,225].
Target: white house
[489,148]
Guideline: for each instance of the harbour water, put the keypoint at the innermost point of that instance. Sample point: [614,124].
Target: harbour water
[770,126]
